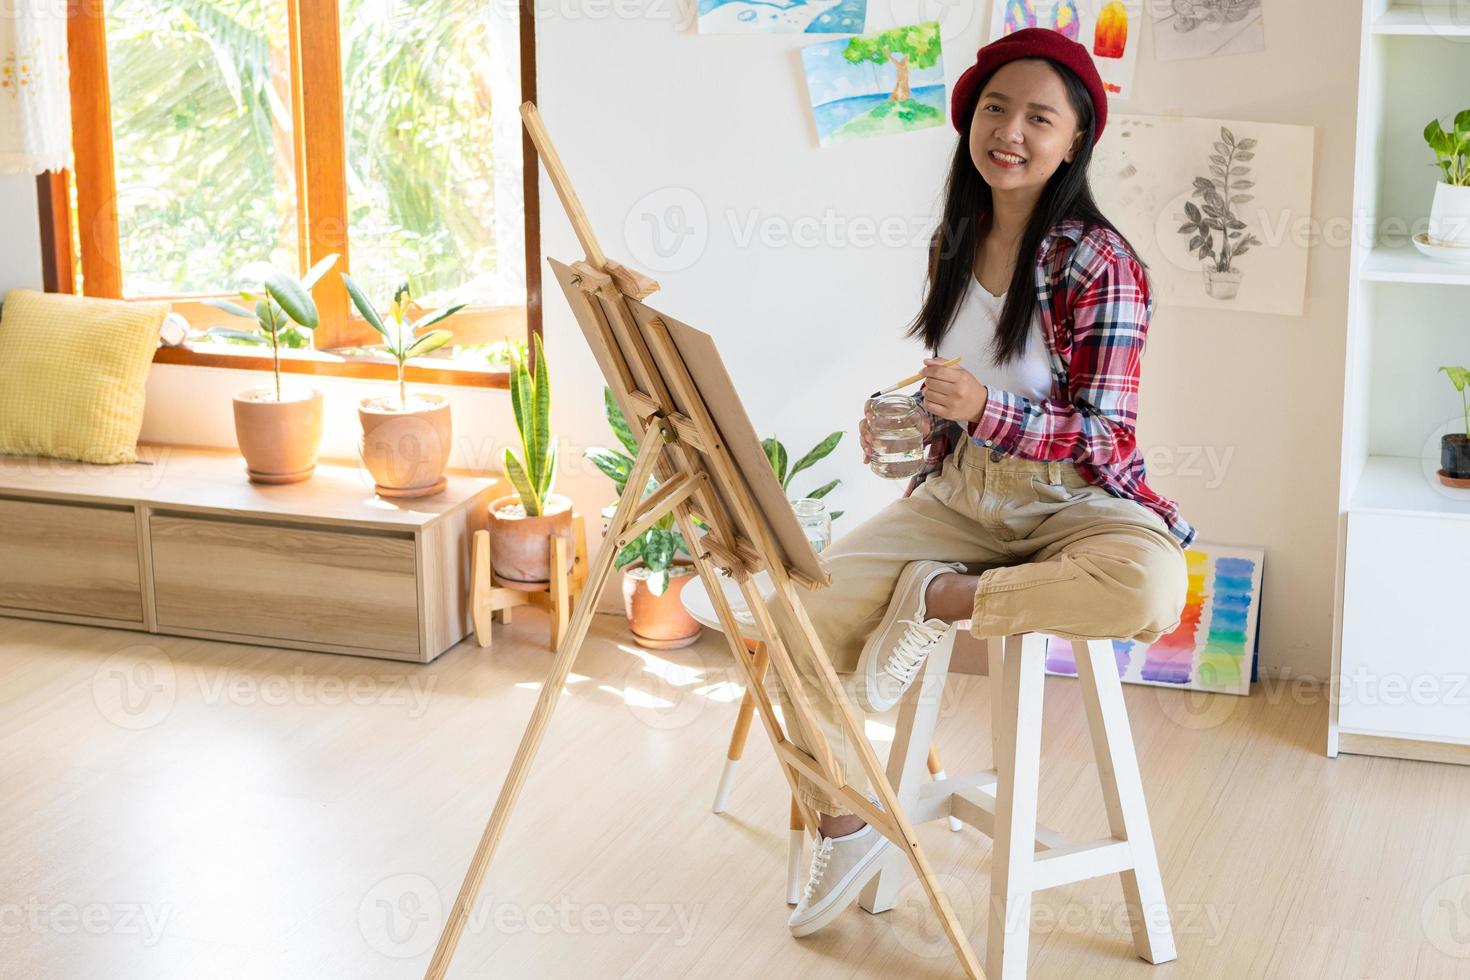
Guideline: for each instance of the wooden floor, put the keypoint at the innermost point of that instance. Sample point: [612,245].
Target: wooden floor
[180,808]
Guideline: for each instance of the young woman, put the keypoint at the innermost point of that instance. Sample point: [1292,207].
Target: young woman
[1031,513]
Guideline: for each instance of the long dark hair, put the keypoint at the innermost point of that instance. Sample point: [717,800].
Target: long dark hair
[967,204]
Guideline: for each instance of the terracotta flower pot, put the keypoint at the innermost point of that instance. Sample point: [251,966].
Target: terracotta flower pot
[279,439]
[406,449]
[520,546]
[659,622]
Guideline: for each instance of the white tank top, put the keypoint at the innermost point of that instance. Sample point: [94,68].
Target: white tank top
[971,334]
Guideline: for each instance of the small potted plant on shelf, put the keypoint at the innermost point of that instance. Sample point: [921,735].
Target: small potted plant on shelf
[1449,218]
[279,428]
[522,523]
[654,573]
[1454,447]
[405,442]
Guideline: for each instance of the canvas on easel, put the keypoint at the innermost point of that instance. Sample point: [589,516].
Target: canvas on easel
[695,437]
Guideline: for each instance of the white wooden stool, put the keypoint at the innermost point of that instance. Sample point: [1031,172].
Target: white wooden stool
[1001,802]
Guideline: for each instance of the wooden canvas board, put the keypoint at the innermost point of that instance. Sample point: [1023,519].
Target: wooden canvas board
[703,362]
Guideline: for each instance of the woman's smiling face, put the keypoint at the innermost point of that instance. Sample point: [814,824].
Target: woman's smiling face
[1024,126]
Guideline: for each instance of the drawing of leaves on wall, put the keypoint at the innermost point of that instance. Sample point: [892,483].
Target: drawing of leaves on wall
[1215,231]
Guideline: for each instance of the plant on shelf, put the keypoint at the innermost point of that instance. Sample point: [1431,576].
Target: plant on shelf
[522,523]
[1454,447]
[1449,219]
[279,429]
[405,444]
[1222,191]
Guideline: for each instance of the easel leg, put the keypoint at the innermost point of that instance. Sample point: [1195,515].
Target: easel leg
[566,655]
[1015,809]
[740,733]
[1122,788]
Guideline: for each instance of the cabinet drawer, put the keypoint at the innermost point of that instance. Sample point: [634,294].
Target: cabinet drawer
[344,588]
[73,560]
[1404,662]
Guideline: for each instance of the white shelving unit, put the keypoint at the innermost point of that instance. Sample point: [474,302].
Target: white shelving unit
[1401,662]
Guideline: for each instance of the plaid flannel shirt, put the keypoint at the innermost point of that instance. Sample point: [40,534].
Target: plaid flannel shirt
[1095,308]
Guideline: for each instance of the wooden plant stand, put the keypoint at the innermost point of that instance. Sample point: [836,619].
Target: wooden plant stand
[489,593]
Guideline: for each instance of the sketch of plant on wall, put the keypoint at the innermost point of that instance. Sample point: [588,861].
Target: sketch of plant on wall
[1222,191]
[1190,14]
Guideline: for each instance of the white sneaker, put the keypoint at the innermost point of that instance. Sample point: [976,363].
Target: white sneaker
[896,651]
[840,867]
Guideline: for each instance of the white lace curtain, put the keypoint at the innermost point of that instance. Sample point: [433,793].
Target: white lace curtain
[35,103]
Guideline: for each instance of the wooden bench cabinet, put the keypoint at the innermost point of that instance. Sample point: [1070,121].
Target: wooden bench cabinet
[181,543]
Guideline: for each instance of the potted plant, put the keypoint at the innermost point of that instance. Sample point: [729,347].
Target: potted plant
[1449,218]
[654,574]
[405,442]
[1454,447]
[279,429]
[1222,192]
[522,523]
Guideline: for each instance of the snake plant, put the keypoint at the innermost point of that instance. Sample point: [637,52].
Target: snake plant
[530,397]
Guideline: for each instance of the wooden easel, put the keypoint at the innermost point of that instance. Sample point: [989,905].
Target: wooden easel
[489,593]
[694,435]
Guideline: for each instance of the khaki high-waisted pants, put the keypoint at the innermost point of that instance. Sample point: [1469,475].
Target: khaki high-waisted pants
[1056,554]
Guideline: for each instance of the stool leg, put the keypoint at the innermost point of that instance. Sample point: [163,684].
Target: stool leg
[1122,787]
[996,659]
[795,849]
[908,763]
[1014,844]
[936,769]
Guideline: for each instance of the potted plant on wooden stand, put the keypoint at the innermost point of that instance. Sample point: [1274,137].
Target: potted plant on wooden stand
[405,442]
[521,524]
[1454,447]
[653,573]
[279,429]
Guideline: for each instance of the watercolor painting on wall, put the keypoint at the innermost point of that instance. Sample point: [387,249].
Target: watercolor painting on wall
[891,82]
[1214,646]
[1219,209]
[1110,29]
[1207,28]
[782,17]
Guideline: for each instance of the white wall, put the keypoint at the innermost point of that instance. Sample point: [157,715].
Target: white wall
[656,124]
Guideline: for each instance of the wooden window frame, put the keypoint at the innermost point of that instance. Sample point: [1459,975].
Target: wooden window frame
[320,149]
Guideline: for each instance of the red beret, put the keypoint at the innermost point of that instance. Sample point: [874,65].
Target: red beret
[1030,42]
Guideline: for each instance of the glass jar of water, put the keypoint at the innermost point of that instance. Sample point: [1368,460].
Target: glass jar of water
[815,522]
[896,422]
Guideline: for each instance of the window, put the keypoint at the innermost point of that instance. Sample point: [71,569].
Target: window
[209,134]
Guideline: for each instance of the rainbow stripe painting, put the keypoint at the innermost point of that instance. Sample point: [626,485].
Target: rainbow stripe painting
[1214,646]
[1108,28]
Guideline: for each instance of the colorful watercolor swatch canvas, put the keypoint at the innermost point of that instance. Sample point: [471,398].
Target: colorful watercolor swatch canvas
[782,16]
[1110,29]
[1214,646]
[892,82]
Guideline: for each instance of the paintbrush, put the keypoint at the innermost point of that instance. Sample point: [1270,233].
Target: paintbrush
[911,379]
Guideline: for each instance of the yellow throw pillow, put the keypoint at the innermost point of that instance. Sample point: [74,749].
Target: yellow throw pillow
[72,374]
